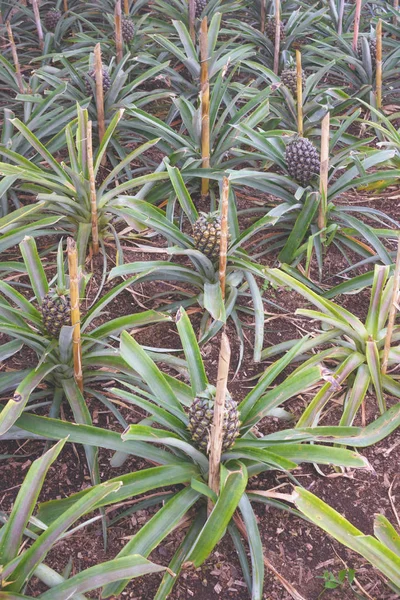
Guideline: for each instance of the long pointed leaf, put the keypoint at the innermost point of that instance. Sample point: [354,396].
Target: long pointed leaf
[154,531]
[220,516]
[37,552]
[120,568]
[24,504]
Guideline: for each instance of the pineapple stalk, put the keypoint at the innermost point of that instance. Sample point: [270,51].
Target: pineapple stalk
[98,69]
[277,35]
[216,434]
[205,105]
[15,58]
[324,170]
[118,30]
[65,4]
[93,199]
[224,235]
[75,313]
[379,64]
[126,7]
[356,24]
[299,81]
[262,16]
[192,17]
[392,312]
[38,23]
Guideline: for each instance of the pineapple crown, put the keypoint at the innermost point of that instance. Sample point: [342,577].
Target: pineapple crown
[209,394]
[61,285]
[60,291]
[290,63]
[297,138]
[210,217]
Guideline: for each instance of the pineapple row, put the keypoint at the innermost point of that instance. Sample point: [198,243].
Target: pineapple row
[53,16]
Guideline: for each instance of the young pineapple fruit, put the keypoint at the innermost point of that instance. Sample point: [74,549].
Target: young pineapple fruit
[200,6]
[270,30]
[51,18]
[299,42]
[372,48]
[201,414]
[90,76]
[302,160]
[207,234]
[289,78]
[56,311]
[128,29]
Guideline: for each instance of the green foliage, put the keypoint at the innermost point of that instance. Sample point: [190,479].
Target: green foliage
[356,349]
[63,190]
[164,399]
[22,322]
[19,564]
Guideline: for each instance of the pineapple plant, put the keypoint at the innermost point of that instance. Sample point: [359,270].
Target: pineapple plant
[165,397]
[128,29]
[90,77]
[16,527]
[201,414]
[270,30]
[43,316]
[202,276]
[302,160]
[207,235]
[158,393]
[72,206]
[56,310]
[200,6]
[348,327]
[51,18]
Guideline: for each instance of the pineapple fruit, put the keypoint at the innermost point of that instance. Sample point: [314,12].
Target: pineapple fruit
[299,42]
[51,18]
[128,29]
[91,77]
[302,160]
[270,30]
[289,78]
[56,311]
[201,414]
[207,234]
[200,6]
